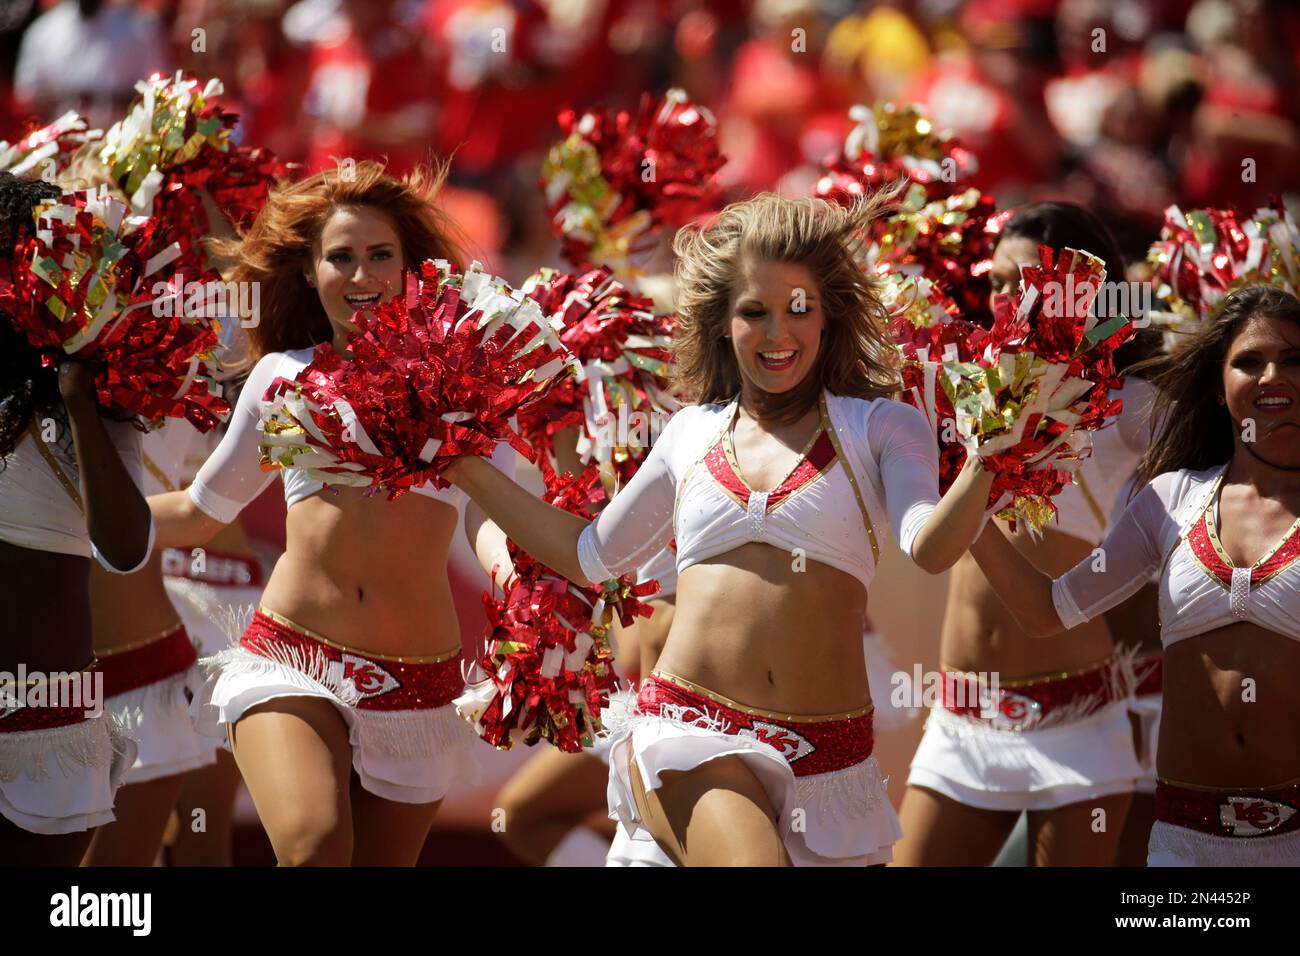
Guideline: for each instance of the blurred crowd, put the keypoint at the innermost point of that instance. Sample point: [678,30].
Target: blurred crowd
[1123,105]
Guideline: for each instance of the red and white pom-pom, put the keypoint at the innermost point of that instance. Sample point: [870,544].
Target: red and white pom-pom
[1205,254]
[93,283]
[548,667]
[1025,394]
[618,393]
[942,228]
[617,180]
[45,152]
[175,142]
[434,374]
[891,142]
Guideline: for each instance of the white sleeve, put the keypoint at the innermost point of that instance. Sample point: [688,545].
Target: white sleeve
[638,521]
[232,476]
[903,445]
[1127,558]
[129,444]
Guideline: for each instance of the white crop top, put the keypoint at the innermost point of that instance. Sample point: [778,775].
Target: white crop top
[1172,527]
[1083,508]
[689,492]
[172,454]
[232,476]
[41,494]
[661,567]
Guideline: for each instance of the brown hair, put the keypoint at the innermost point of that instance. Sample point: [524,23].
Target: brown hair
[1065,225]
[1193,430]
[276,249]
[855,358]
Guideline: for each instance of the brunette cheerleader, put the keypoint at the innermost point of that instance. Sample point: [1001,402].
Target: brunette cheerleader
[1057,742]
[147,654]
[338,697]
[69,491]
[751,740]
[1219,522]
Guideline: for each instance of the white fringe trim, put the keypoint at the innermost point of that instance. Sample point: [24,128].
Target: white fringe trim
[858,786]
[406,734]
[842,795]
[91,744]
[289,664]
[134,707]
[1121,678]
[1193,848]
[412,734]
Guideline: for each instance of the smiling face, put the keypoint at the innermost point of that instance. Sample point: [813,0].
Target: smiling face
[775,324]
[356,264]
[1261,381]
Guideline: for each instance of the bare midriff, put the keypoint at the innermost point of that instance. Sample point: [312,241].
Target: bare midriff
[369,573]
[45,615]
[652,632]
[758,627]
[130,609]
[980,634]
[1231,700]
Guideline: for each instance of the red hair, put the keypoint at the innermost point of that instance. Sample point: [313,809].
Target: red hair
[276,250]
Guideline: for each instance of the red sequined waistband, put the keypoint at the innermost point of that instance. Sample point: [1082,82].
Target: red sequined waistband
[147,664]
[809,746]
[43,701]
[384,683]
[1230,813]
[215,568]
[15,720]
[1024,705]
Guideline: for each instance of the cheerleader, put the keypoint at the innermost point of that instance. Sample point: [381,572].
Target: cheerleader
[147,658]
[338,697]
[1218,522]
[214,590]
[751,739]
[146,652]
[549,798]
[1057,741]
[69,492]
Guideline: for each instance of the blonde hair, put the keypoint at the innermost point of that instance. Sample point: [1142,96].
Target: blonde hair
[855,358]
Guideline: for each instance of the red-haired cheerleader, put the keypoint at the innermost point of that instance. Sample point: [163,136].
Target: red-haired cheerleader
[338,697]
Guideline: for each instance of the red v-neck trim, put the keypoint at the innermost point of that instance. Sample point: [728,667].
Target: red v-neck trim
[810,466]
[1208,550]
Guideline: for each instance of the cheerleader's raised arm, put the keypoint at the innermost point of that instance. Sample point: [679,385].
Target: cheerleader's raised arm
[1114,572]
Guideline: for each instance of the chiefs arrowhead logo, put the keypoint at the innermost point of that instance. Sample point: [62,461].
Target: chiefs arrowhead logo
[1251,816]
[369,678]
[1016,712]
[790,745]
